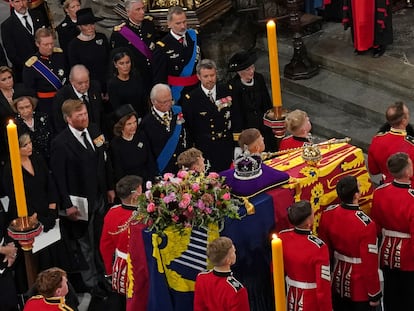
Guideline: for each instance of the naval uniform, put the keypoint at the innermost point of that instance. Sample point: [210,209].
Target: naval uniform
[352,239]
[44,89]
[219,291]
[141,63]
[210,127]
[306,263]
[393,212]
[170,58]
[383,145]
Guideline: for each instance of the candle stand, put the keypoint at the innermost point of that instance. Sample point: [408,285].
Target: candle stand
[300,66]
[24,230]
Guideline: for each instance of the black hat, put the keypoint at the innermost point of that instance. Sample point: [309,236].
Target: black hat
[85,16]
[122,111]
[241,60]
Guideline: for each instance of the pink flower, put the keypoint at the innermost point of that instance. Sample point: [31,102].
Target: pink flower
[148,194]
[190,209]
[168,176]
[174,218]
[151,207]
[185,201]
[182,174]
[169,198]
[148,185]
[226,196]
[208,210]
[195,187]
[213,175]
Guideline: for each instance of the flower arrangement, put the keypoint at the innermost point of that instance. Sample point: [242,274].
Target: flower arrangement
[186,200]
[180,118]
[223,102]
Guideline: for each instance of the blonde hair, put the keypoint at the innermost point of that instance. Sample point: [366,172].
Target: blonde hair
[248,137]
[295,120]
[188,158]
[218,250]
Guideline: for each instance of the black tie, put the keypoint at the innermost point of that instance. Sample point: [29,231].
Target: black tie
[87,104]
[210,96]
[27,25]
[87,143]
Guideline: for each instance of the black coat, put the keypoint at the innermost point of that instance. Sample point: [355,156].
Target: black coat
[67,31]
[210,129]
[142,65]
[95,107]
[78,171]
[18,42]
[3,59]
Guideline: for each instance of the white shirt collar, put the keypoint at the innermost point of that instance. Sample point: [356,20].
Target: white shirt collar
[79,95]
[78,135]
[175,35]
[160,113]
[206,91]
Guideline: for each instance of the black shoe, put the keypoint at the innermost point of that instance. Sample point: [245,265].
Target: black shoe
[356,52]
[379,51]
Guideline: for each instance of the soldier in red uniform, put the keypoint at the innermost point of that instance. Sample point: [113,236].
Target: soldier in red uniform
[385,144]
[114,238]
[217,289]
[352,239]
[52,285]
[393,212]
[298,124]
[306,263]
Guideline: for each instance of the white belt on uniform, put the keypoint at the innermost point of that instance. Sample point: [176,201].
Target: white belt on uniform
[396,234]
[298,284]
[353,260]
[120,254]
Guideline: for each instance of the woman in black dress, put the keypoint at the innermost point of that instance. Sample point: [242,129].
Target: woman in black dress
[124,87]
[68,30]
[129,150]
[90,48]
[35,123]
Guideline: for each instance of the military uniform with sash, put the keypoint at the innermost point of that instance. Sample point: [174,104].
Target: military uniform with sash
[141,56]
[45,75]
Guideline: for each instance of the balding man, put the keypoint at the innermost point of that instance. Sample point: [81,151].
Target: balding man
[164,130]
[385,144]
[80,87]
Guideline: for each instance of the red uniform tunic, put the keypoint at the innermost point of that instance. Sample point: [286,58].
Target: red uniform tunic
[37,303]
[292,142]
[351,236]
[384,145]
[393,212]
[114,244]
[219,291]
[306,262]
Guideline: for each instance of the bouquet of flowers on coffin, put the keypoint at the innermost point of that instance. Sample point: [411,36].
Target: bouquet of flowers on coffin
[187,200]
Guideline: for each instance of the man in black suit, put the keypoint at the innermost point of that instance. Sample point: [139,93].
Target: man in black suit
[17,33]
[81,169]
[3,59]
[80,87]
[176,55]
[164,130]
[208,115]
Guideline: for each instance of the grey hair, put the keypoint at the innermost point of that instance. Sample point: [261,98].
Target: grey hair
[129,3]
[158,87]
[206,64]
[77,68]
[174,10]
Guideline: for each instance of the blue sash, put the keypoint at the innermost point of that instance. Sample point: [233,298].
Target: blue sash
[47,73]
[188,69]
[171,145]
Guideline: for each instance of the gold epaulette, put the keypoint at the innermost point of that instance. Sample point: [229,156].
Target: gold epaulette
[161,44]
[57,50]
[187,96]
[31,61]
[410,139]
[149,17]
[119,27]
[236,136]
